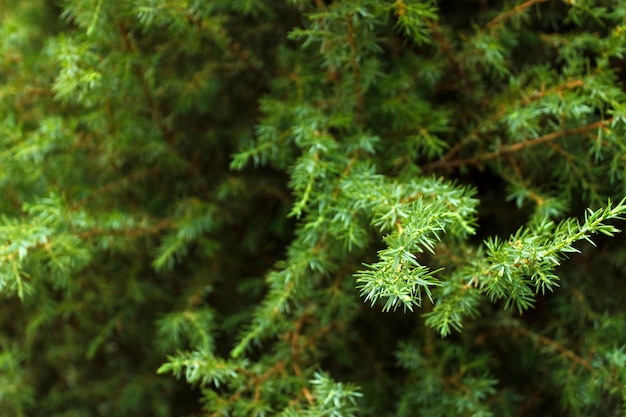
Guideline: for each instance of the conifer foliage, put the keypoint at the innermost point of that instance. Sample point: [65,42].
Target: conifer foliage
[312,208]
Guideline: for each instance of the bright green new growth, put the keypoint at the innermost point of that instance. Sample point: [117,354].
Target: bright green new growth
[312,208]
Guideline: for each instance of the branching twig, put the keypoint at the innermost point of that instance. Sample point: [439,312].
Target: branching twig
[546,341]
[115,185]
[355,65]
[517,9]
[535,95]
[516,147]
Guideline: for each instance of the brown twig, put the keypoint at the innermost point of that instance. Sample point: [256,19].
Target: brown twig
[535,95]
[320,5]
[116,185]
[445,46]
[546,341]
[512,12]
[356,73]
[128,232]
[253,381]
[516,147]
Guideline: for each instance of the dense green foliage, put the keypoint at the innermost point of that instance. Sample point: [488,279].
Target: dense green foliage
[312,208]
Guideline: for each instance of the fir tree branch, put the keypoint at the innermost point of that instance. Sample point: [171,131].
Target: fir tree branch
[512,12]
[116,185]
[569,160]
[440,37]
[553,344]
[354,61]
[320,5]
[532,97]
[516,147]
[536,95]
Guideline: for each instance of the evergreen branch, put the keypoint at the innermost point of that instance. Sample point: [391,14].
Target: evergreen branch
[320,5]
[94,21]
[310,341]
[551,343]
[201,367]
[516,147]
[132,232]
[512,12]
[567,157]
[354,62]
[445,46]
[121,183]
[253,382]
[14,253]
[491,120]
[150,100]
[511,269]
[301,263]
[542,93]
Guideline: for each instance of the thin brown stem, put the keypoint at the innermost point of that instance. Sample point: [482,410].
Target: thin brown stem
[546,341]
[516,147]
[354,61]
[512,12]
[444,44]
[130,232]
[116,185]
[534,96]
